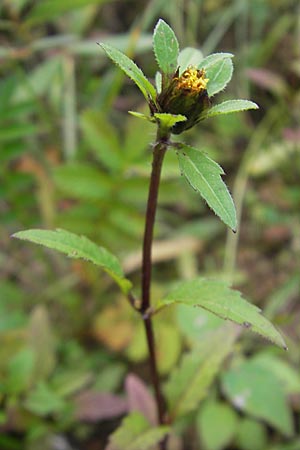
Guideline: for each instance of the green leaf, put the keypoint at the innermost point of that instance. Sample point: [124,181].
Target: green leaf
[135,434]
[204,175]
[189,383]
[230,106]
[78,247]
[43,401]
[131,70]
[255,390]
[189,57]
[219,74]
[216,424]
[213,60]
[251,435]
[166,48]
[218,298]
[142,116]
[167,120]
[288,375]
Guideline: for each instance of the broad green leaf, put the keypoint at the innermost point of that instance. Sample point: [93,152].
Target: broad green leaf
[216,297]
[166,48]
[189,383]
[131,70]
[219,74]
[82,181]
[216,424]
[287,374]
[20,371]
[167,120]
[230,106]
[135,433]
[44,401]
[251,435]
[78,247]
[189,57]
[204,175]
[213,59]
[256,391]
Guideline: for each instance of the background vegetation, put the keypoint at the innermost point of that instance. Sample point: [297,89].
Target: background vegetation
[72,157]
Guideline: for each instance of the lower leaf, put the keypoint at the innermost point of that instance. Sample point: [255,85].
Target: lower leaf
[218,298]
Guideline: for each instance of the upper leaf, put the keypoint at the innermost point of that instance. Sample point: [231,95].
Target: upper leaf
[213,60]
[131,70]
[229,106]
[78,247]
[204,175]
[135,434]
[166,48]
[218,68]
[189,56]
[218,298]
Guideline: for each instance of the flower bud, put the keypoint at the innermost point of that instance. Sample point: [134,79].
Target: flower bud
[187,95]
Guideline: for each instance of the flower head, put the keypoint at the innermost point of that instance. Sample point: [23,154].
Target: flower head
[185,94]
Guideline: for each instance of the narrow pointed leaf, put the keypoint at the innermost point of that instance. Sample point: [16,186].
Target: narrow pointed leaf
[142,116]
[189,383]
[135,433]
[219,74]
[204,175]
[166,48]
[131,70]
[230,106]
[168,120]
[218,298]
[78,247]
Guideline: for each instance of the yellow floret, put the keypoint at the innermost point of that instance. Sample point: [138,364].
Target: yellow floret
[192,80]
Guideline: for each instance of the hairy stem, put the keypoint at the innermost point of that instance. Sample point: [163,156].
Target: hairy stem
[159,151]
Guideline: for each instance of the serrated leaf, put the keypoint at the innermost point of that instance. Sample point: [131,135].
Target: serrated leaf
[168,120]
[230,106]
[204,175]
[255,390]
[189,57]
[135,434]
[166,48]
[189,383]
[218,73]
[131,70]
[218,298]
[78,247]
